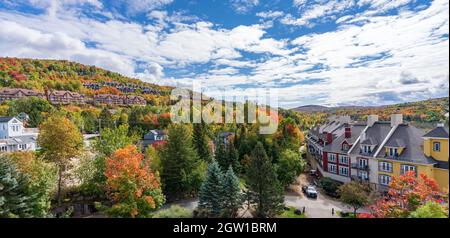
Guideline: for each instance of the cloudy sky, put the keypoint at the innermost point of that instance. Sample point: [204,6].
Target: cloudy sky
[363,52]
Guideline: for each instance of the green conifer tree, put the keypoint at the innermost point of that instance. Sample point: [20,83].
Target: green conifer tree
[265,190]
[210,195]
[15,200]
[232,197]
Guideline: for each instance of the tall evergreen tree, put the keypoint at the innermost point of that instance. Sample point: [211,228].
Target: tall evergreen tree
[210,195]
[182,171]
[201,142]
[232,196]
[15,200]
[265,190]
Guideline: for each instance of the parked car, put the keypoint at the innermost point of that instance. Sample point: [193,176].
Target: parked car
[313,173]
[309,191]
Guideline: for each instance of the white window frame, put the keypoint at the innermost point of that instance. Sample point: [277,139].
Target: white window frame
[343,168]
[384,179]
[363,174]
[407,167]
[437,146]
[384,166]
[334,170]
[332,157]
[344,157]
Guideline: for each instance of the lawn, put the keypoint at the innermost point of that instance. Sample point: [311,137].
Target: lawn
[291,214]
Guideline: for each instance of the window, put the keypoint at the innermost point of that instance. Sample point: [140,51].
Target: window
[393,152]
[343,171]
[3,148]
[332,158]
[385,179]
[363,175]
[343,159]
[345,146]
[332,168]
[362,163]
[385,167]
[437,146]
[367,149]
[405,168]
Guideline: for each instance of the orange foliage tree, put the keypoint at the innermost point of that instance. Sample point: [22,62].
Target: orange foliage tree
[131,184]
[406,194]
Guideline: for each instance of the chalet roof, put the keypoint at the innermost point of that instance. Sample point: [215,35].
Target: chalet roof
[438,132]
[374,135]
[13,91]
[5,119]
[410,138]
[62,93]
[336,145]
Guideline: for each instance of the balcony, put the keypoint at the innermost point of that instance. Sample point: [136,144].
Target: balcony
[360,167]
[359,178]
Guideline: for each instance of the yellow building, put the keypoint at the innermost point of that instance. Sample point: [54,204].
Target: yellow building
[436,147]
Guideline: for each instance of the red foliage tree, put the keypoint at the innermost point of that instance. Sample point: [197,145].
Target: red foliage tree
[407,193]
[131,184]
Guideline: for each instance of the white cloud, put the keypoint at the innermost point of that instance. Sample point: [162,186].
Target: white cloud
[270,14]
[315,11]
[243,6]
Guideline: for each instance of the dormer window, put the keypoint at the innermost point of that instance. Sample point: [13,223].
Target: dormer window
[345,146]
[393,152]
[367,149]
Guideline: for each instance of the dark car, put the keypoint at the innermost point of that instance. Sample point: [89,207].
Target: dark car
[310,191]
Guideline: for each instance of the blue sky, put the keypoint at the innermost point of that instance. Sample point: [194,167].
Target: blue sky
[349,52]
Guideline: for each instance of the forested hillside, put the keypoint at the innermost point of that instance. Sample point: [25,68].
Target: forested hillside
[64,75]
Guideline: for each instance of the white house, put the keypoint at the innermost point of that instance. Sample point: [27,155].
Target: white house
[15,137]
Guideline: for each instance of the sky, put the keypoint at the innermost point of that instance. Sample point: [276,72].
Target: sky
[331,53]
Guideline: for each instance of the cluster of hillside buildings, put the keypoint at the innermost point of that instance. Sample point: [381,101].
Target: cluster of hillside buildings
[374,151]
[124,88]
[67,97]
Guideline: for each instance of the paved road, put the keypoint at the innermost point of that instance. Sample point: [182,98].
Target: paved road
[315,208]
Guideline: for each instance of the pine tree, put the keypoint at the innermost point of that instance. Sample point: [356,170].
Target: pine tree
[210,195]
[265,190]
[201,142]
[227,156]
[15,200]
[181,169]
[232,196]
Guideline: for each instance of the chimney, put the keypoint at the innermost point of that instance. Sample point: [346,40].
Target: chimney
[348,132]
[371,119]
[396,119]
[329,138]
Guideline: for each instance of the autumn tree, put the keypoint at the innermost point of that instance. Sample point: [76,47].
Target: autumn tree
[42,180]
[265,191]
[408,193]
[182,172]
[60,140]
[355,195]
[131,184]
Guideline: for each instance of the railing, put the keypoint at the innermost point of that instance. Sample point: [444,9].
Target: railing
[360,167]
[359,178]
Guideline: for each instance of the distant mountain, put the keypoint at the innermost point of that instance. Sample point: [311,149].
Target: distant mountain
[311,108]
[426,111]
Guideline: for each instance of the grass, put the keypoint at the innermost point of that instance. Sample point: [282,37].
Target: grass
[291,214]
